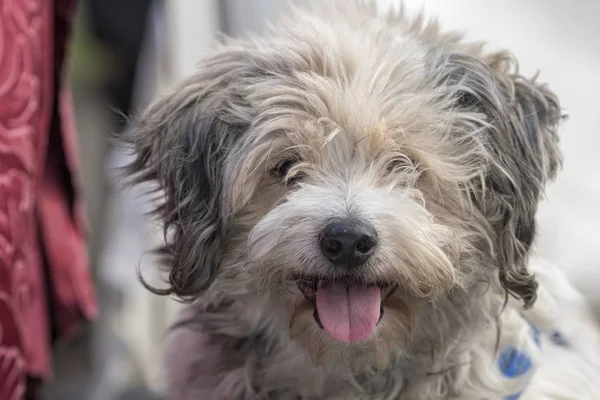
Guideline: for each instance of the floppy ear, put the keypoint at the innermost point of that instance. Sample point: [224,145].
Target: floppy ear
[522,147]
[181,142]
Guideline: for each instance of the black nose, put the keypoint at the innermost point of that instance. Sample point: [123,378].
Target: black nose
[348,242]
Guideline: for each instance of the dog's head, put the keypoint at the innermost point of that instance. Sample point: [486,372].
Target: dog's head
[355,167]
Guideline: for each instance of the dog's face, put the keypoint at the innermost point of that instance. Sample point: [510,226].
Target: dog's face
[351,175]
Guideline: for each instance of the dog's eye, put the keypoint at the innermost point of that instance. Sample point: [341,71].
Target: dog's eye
[467,100]
[399,163]
[282,168]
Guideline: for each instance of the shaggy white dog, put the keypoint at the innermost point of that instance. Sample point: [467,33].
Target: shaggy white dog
[350,204]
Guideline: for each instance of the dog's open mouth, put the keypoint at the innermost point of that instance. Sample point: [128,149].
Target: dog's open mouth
[347,310]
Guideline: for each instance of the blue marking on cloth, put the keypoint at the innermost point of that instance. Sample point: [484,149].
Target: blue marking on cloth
[514,363]
[536,336]
[559,340]
[515,396]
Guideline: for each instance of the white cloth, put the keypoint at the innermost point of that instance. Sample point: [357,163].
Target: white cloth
[551,351]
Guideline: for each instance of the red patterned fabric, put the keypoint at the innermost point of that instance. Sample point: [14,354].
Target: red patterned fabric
[45,288]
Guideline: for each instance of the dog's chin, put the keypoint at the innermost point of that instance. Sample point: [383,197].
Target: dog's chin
[347,309]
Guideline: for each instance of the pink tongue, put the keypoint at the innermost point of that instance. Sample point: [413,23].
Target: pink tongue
[348,313]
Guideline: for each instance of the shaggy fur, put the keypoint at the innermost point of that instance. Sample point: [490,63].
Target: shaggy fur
[442,146]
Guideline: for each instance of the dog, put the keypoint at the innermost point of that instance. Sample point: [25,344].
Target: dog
[349,208]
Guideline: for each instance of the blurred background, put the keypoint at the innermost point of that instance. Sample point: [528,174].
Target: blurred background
[126,51]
